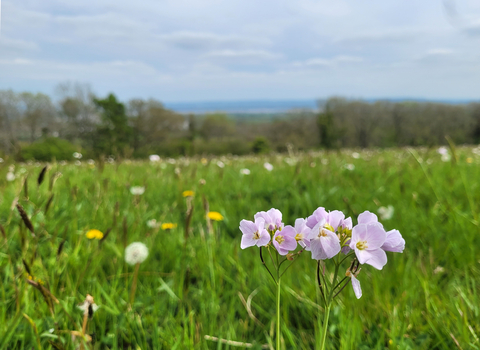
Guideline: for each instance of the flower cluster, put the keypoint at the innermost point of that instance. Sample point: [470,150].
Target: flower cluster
[325,234]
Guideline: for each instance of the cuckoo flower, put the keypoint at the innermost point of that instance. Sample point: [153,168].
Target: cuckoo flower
[367,240]
[345,232]
[357,289]
[254,233]
[394,242]
[273,219]
[324,243]
[332,219]
[284,240]
[302,231]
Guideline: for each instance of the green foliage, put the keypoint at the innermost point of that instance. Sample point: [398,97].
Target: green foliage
[47,150]
[190,285]
[114,134]
[260,145]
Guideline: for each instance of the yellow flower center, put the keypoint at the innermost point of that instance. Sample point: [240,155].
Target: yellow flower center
[299,237]
[280,239]
[329,227]
[362,245]
[256,235]
[321,233]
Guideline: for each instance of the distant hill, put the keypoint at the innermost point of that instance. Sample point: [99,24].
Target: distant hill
[256,107]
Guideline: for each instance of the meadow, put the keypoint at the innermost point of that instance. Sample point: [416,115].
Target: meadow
[197,287]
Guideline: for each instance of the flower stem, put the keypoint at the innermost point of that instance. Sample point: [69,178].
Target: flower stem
[325,326]
[134,284]
[279,336]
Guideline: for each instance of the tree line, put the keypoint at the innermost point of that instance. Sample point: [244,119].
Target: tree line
[32,126]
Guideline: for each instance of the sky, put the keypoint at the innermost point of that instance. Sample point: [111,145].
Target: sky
[214,50]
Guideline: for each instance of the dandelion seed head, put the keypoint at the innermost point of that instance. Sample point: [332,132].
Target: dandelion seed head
[154,158]
[245,171]
[10,176]
[77,155]
[268,166]
[136,253]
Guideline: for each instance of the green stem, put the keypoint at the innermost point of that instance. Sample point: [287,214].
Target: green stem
[325,326]
[279,336]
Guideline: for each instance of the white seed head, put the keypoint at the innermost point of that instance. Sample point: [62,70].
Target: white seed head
[136,253]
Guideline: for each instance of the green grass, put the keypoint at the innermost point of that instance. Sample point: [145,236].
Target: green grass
[425,298]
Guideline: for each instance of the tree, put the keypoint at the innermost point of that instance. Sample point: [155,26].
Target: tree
[113,135]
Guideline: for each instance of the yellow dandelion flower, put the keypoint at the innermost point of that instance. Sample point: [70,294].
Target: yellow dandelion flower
[188,193]
[215,215]
[204,161]
[168,226]
[469,160]
[91,234]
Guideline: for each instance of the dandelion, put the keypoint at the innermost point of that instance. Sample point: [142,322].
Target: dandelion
[177,171]
[1,160]
[215,215]
[204,161]
[285,240]
[153,223]
[325,161]
[188,193]
[111,159]
[10,176]
[168,226]
[254,233]
[446,157]
[94,234]
[469,160]
[245,171]
[442,150]
[221,164]
[202,182]
[171,161]
[77,155]
[137,190]
[268,166]
[313,165]
[386,213]
[77,163]
[356,155]
[135,254]
[88,307]
[154,158]
[350,167]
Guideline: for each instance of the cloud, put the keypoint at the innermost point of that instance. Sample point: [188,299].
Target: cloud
[332,62]
[189,40]
[245,56]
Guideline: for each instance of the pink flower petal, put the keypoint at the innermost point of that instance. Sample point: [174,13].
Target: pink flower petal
[335,218]
[356,287]
[394,242]
[377,258]
[375,235]
[367,217]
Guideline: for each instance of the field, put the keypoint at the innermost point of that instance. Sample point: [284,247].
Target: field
[197,282]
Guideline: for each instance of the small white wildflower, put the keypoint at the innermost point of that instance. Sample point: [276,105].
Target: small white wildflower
[245,171]
[153,223]
[110,159]
[442,150]
[386,213]
[1,160]
[51,330]
[136,253]
[356,155]
[90,161]
[350,167]
[10,176]
[154,158]
[11,168]
[313,165]
[77,162]
[221,164]
[77,155]
[177,171]
[62,162]
[137,190]
[202,182]
[171,161]
[324,161]
[268,166]
[438,269]
[446,157]
[290,161]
